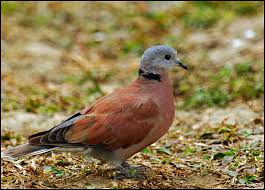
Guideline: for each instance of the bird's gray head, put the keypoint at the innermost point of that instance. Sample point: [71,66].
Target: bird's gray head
[158,58]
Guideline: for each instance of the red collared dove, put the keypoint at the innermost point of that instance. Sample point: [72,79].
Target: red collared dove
[120,124]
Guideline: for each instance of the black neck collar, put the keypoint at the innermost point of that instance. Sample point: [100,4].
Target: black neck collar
[149,76]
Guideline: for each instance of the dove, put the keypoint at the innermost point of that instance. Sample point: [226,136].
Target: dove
[120,124]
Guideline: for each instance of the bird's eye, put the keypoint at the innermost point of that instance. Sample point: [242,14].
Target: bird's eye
[167,57]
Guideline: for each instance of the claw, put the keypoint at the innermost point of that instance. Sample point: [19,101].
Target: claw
[128,171]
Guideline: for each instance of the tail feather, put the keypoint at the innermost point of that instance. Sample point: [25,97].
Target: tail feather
[26,149]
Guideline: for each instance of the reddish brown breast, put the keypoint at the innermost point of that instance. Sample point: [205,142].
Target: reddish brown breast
[162,94]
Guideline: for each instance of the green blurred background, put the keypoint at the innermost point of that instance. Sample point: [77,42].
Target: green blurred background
[59,57]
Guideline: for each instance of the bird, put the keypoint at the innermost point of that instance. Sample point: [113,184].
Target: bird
[120,124]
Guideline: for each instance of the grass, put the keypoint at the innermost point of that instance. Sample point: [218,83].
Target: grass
[206,14]
[216,88]
[228,84]
[210,89]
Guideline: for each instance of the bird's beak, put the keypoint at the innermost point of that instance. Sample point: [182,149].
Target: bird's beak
[181,65]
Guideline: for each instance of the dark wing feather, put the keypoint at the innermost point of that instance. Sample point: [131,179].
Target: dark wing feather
[50,136]
[113,122]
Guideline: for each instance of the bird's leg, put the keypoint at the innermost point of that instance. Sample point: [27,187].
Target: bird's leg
[128,171]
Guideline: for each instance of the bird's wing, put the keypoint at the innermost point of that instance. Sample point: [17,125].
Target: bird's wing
[113,122]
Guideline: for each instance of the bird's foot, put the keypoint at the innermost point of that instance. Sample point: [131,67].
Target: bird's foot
[128,171]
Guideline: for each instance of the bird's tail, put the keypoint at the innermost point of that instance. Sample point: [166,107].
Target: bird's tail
[26,149]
